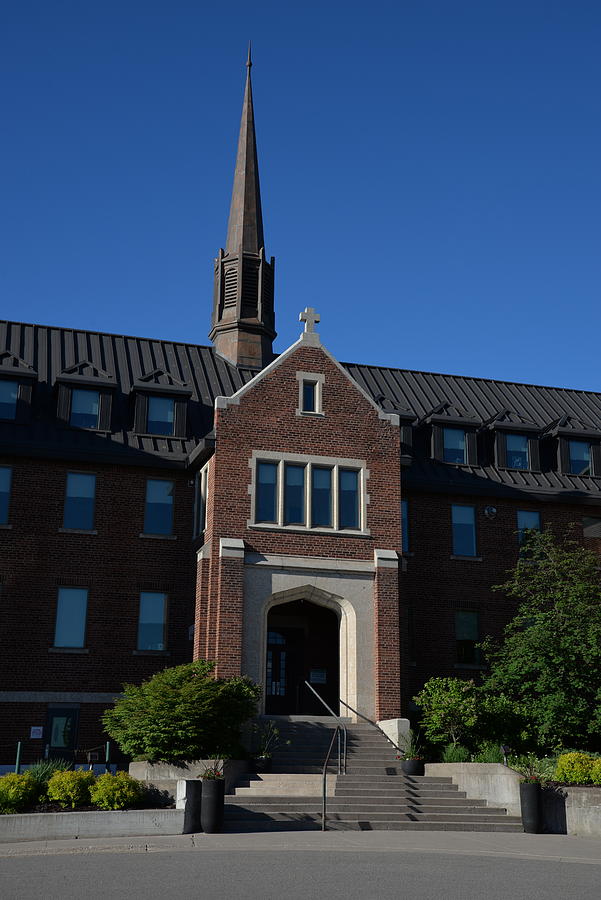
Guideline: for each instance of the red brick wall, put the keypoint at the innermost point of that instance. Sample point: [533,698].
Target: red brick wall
[115,565]
[434,586]
[266,420]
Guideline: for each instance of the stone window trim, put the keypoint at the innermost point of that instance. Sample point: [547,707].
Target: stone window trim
[318,379]
[77,531]
[309,460]
[201,487]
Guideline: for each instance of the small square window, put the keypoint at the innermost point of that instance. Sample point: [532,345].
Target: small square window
[5,482]
[454,446]
[528,520]
[9,391]
[161,415]
[580,457]
[158,515]
[464,530]
[152,620]
[79,501]
[466,633]
[71,609]
[517,451]
[309,396]
[85,406]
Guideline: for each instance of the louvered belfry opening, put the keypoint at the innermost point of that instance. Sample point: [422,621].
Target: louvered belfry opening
[243,326]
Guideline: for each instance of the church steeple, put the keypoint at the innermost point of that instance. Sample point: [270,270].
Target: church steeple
[245,226]
[243,314]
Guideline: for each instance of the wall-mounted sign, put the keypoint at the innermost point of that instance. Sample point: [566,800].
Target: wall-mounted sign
[36,732]
[318,676]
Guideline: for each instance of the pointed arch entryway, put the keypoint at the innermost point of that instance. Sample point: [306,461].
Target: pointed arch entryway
[308,635]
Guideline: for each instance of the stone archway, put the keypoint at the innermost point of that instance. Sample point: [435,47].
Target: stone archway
[312,661]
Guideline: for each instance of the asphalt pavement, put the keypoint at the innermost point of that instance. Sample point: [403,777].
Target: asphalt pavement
[295,865]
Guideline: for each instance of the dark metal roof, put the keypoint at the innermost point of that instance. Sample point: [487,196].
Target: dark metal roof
[47,356]
[107,360]
[429,396]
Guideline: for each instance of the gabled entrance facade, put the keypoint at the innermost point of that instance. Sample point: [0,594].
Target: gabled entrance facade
[298,576]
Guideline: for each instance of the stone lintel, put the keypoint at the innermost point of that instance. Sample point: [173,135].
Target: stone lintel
[319,563]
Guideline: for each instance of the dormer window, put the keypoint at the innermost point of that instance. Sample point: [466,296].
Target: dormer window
[161,415]
[8,399]
[454,446]
[579,457]
[517,451]
[85,408]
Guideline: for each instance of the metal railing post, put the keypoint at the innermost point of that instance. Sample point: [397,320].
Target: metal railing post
[341,724]
[18,758]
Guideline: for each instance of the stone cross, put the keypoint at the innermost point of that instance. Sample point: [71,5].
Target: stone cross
[310,318]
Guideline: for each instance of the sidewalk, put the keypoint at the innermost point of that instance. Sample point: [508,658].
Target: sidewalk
[566,848]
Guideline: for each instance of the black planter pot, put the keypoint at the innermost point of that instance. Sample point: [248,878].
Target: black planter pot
[530,800]
[211,809]
[412,766]
[261,764]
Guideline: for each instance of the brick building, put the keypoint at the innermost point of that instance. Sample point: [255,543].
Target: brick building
[294,518]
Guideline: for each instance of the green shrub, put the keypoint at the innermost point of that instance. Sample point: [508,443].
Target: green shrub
[71,788]
[43,770]
[455,753]
[17,792]
[596,771]
[118,791]
[182,713]
[574,768]
[488,752]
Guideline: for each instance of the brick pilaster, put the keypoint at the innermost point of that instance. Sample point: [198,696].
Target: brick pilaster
[387,667]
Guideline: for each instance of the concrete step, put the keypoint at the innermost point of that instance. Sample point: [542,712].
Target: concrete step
[273,805]
[242,827]
[314,814]
[425,798]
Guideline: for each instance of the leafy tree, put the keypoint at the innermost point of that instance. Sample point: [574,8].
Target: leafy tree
[549,662]
[449,709]
[182,713]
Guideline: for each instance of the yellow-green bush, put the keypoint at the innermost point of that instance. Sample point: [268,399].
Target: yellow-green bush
[574,768]
[71,788]
[17,792]
[596,771]
[116,791]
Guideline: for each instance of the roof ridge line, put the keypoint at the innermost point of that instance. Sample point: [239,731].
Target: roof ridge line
[551,387]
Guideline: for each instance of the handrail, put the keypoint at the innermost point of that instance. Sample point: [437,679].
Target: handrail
[371,722]
[341,726]
[324,776]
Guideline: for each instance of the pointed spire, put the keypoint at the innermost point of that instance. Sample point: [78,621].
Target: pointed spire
[245,226]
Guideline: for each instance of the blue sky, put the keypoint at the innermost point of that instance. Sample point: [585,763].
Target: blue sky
[430,173]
